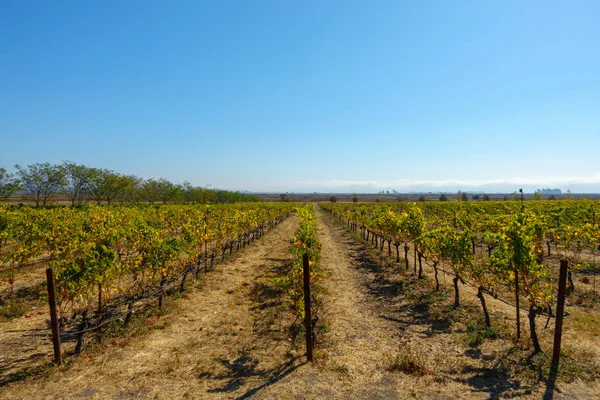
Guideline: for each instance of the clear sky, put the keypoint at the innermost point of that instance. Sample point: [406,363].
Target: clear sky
[307,95]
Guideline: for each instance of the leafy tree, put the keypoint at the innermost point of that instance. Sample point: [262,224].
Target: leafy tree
[486,197]
[8,184]
[77,181]
[515,196]
[165,190]
[41,181]
[206,195]
[464,197]
[333,199]
[284,197]
[443,197]
[355,199]
[188,192]
[551,197]
[179,195]
[150,191]
[132,190]
[422,198]
[106,185]
[537,196]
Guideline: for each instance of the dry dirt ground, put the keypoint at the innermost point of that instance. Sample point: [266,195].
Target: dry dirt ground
[230,339]
[25,341]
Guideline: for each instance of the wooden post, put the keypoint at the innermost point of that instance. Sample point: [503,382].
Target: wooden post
[307,316]
[129,311]
[205,254]
[518,307]
[206,241]
[162,292]
[53,316]
[185,272]
[415,258]
[100,312]
[560,310]
[198,262]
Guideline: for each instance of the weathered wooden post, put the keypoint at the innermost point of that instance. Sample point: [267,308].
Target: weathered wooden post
[307,314]
[560,310]
[206,241]
[53,316]
[100,318]
[518,307]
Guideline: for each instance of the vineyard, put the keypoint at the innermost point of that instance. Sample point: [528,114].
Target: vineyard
[110,261]
[498,247]
[506,251]
[113,264]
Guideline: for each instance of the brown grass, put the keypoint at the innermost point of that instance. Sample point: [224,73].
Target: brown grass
[408,360]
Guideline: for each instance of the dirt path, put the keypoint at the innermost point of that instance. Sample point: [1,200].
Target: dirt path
[25,344]
[359,336]
[363,332]
[225,340]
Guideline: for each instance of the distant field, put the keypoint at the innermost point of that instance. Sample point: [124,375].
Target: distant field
[341,197]
[370,197]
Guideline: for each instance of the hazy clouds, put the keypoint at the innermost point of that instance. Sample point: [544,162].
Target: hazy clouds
[585,184]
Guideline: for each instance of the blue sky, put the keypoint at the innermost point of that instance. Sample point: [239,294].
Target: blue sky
[308,95]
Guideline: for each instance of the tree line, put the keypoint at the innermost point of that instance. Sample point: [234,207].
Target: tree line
[77,184]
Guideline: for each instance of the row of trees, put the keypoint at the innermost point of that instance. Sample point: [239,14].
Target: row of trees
[42,182]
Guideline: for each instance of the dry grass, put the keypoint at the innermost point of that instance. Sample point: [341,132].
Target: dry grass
[407,359]
[586,323]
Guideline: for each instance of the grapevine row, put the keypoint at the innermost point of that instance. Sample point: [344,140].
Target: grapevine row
[106,257]
[516,243]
